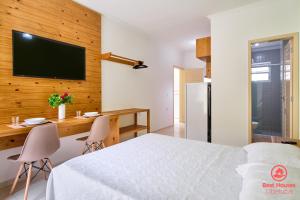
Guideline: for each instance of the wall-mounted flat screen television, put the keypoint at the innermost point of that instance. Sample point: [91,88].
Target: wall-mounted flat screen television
[36,56]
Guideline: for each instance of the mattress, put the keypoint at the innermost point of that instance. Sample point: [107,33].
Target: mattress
[151,166]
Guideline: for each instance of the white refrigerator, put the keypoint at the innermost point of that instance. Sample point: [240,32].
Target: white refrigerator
[198,118]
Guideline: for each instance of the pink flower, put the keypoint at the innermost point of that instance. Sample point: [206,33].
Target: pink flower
[64,95]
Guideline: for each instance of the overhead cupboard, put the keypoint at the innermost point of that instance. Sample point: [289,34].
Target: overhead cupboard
[203,52]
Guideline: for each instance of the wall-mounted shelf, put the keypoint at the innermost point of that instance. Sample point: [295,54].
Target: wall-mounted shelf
[137,64]
[119,59]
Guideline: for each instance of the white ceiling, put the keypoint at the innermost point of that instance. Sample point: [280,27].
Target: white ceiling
[178,22]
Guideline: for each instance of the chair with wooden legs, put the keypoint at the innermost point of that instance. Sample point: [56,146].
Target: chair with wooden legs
[41,142]
[99,131]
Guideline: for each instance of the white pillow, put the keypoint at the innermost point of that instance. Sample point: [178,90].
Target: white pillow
[273,153]
[257,174]
[242,170]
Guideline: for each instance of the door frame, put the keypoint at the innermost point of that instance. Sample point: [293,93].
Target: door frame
[295,81]
[180,68]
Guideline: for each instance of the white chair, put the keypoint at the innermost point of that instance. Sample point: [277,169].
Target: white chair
[99,131]
[41,142]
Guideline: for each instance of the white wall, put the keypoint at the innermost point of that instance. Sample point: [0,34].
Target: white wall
[230,32]
[124,87]
[189,60]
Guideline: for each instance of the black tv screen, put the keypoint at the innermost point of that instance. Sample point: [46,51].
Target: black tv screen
[35,56]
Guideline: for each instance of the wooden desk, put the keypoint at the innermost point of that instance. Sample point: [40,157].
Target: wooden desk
[10,137]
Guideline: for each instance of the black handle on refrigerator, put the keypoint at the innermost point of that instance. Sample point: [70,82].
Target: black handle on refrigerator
[209,112]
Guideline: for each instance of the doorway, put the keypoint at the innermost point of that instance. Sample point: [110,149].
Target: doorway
[273,89]
[176,93]
[178,128]
[182,76]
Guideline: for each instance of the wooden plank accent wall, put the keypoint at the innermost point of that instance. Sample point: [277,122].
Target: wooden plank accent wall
[62,20]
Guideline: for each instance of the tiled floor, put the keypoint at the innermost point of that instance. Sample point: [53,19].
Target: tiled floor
[37,190]
[178,130]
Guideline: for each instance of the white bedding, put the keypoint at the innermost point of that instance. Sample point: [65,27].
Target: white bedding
[151,167]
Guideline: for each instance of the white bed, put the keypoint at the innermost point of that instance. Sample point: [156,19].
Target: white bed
[151,167]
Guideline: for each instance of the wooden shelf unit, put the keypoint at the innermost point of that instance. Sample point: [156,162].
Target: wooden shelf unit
[132,129]
[125,111]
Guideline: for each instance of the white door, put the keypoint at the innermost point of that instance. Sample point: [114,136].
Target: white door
[196,111]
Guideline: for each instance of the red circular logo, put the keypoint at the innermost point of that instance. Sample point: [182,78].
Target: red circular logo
[279,173]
